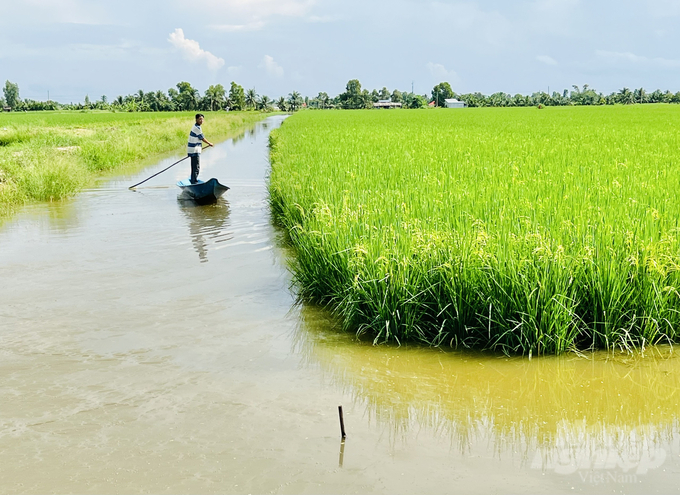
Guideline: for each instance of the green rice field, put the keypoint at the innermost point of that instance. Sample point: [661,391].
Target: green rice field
[521,230]
[47,156]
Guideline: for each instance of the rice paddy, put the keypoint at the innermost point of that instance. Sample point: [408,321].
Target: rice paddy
[518,230]
[46,156]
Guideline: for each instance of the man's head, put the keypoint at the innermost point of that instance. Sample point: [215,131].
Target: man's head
[199,118]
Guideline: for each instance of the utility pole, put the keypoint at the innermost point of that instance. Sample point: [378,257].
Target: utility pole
[411,87]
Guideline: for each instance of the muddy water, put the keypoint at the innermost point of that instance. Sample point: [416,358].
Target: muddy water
[150,345]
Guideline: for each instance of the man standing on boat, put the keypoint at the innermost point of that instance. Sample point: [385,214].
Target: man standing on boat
[196,140]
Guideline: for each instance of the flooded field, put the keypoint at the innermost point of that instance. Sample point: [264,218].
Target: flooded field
[150,345]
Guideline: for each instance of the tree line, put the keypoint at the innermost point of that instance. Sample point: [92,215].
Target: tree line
[576,96]
[216,97]
[354,97]
[182,97]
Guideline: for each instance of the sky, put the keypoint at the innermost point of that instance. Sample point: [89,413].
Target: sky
[73,48]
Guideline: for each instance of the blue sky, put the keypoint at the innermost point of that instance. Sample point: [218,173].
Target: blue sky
[76,47]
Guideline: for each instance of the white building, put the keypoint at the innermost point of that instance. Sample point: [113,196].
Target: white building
[386,104]
[453,103]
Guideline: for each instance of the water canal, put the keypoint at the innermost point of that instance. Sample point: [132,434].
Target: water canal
[148,345]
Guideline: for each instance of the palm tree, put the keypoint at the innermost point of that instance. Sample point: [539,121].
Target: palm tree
[281,103]
[149,103]
[251,98]
[626,96]
[188,97]
[295,101]
[215,95]
[164,104]
[264,104]
[323,99]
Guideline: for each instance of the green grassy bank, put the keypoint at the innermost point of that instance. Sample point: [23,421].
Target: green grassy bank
[520,230]
[47,156]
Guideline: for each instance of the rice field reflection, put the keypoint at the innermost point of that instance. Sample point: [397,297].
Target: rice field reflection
[568,413]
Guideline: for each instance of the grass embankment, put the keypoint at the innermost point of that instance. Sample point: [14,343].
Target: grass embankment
[47,156]
[521,230]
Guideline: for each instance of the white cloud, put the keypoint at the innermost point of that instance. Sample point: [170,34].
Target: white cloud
[546,60]
[632,59]
[82,52]
[440,73]
[618,56]
[322,18]
[231,28]
[192,51]
[271,67]
[255,15]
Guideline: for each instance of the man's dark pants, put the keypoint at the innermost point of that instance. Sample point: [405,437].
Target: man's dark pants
[195,167]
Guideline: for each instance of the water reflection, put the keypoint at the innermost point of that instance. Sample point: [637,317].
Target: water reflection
[238,137]
[341,458]
[595,411]
[208,225]
[56,216]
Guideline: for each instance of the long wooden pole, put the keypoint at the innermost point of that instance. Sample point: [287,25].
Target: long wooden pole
[158,173]
[342,422]
[154,175]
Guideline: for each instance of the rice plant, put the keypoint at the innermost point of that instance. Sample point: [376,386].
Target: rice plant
[516,230]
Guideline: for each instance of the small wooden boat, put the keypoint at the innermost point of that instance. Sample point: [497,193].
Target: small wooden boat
[202,192]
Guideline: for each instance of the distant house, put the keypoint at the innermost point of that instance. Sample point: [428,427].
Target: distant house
[386,104]
[453,103]
[432,104]
[6,109]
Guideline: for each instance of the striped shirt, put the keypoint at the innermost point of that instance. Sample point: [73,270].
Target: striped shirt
[195,144]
